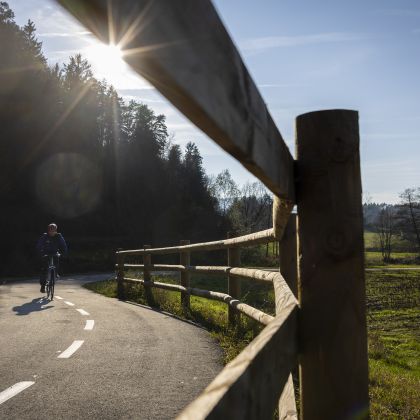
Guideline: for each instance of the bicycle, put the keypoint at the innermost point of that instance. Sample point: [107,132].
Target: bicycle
[51,276]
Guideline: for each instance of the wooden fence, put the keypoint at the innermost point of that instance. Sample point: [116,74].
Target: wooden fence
[182,48]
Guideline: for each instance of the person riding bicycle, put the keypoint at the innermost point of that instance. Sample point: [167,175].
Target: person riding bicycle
[49,243]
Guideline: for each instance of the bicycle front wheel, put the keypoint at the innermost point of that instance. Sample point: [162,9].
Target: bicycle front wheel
[50,287]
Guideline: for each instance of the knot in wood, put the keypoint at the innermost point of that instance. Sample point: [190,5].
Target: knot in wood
[341,149]
[338,242]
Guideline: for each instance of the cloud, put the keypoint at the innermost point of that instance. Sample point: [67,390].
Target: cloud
[64,34]
[137,91]
[266,43]
[57,21]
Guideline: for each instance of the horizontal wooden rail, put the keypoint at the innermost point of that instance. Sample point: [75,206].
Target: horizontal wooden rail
[262,237]
[250,385]
[248,273]
[247,310]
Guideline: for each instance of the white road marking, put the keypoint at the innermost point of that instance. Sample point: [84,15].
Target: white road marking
[82,312]
[89,324]
[68,303]
[14,390]
[58,297]
[73,348]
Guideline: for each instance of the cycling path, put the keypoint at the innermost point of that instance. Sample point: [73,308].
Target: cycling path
[88,356]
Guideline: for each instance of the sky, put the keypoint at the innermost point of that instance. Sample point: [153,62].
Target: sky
[304,56]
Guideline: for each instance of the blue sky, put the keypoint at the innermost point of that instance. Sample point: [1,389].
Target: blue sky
[304,56]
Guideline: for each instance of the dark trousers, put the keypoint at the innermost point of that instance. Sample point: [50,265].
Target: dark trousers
[45,261]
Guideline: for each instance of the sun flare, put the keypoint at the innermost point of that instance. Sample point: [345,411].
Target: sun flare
[107,62]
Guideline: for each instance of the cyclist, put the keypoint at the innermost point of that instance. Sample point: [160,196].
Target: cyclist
[49,244]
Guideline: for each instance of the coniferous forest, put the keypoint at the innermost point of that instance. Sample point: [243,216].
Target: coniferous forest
[74,153]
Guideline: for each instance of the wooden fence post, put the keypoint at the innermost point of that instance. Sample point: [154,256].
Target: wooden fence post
[184,259]
[332,328]
[289,270]
[234,284]
[147,261]
[120,275]
[288,254]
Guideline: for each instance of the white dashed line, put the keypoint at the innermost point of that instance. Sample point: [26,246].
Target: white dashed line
[89,324]
[82,312]
[68,303]
[58,297]
[14,390]
[73,348]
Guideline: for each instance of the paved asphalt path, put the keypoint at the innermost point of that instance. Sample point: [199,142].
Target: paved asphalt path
[136,363]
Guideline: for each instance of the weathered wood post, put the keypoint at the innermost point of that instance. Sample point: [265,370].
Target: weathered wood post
[289,253]
[289,270]
[184,259]
[234,284]
[120,274]
[147,262]
[333,359]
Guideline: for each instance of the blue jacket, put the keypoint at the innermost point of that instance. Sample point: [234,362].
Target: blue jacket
[48,245]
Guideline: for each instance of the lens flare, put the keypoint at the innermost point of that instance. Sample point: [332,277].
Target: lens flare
[68,185]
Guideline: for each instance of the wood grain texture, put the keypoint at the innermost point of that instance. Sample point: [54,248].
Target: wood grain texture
[287,402]
[256,238]
[281,212]
[184,259]
[250,385]
[289,254]
[183,49]
[288,268]
[247,310]
[333,361]
[234,283]
[147,260]
[120,276]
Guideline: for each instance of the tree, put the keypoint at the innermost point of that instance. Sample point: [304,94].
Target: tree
[225,190]
[385,231]
[249,211]
[145,189]
[77,72]
[32,44]
[408,216]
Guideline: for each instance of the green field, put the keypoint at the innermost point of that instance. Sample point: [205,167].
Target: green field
[372,242]
[398,259]
[393,301]
[393,315]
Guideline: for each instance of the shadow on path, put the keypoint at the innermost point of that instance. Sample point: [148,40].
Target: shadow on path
[35,306]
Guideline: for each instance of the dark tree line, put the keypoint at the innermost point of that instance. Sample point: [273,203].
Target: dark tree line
[72,151]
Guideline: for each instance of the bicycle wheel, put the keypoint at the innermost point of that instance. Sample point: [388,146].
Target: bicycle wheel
[48,286]
[52,283]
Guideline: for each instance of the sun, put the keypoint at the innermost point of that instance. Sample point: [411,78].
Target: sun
[106,61]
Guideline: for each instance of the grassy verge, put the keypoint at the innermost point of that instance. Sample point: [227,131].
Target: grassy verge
[393,302]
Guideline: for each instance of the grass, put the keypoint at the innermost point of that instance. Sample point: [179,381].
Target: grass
[372,242]
[393,315]
[393,301]
[398,259]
